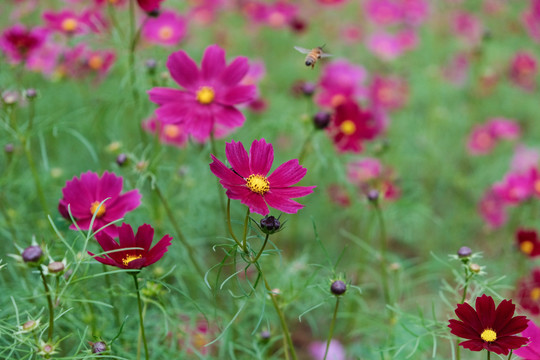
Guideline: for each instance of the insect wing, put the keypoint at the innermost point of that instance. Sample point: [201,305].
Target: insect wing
[302,50]
[323,55]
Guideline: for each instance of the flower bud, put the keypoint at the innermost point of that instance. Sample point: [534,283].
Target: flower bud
[98,347]
[373,196]
[338,288]
[464,252]
[56,267]
[9,148]
[265,335]
[30,93]
[10,97]
[475,268]
[32,254]
[46,349]
[269,225]
[121,159]
[29,325]
[151,66]
[321,119]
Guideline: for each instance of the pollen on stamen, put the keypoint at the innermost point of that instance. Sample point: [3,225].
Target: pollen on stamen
[258,184]
[129,258]
[69,25]
[94,207]
[527,247]
[348,127]
[489,335]
[205,95]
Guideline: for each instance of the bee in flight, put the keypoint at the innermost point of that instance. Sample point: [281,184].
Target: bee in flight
[312,55]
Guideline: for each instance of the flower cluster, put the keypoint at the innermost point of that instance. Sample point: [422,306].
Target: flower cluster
[369,174]
[484,137]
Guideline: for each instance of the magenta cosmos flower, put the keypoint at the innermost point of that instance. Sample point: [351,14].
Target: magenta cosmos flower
[532,350]
[341,81]
[19,43]
[207,105]
[168,29]
[123,255]
[83,195]
[68,22]
[170,134]
[247,180]
[489,328]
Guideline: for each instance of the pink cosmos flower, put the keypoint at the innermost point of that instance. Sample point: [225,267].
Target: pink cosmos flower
[122,254]
[331,2]
[68,22]
[514,188]
[247,180]
[352,125]
[384,12]
[532,350]
[336,351]
[523,70]
[503,128]
[19,43]
[524,160]
[171,134]
[83,195]
[206,11]
[44,60]
[341,81]
[278,14]
[415,12]
[385,46]
[492,209]
[456,71]
[169,28]
[369,174]
[467,27]
[388,92]
[338,195]
[531,20]
[149,5]
[81,61]
[483,138]
[207,105]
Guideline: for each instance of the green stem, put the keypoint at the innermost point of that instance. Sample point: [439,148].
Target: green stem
[229,225]
[465,287]
[384,274]
[50,303]
[37,183]
[510,355]
[458,354]
[179,233]
[244,241]
[305,146]
[111,296]
[214,152]
[132,44]
[281,316]
[331,331]
[488,355]
[262,249]
[141,317]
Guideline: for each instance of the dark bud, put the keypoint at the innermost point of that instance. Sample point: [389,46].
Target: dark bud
[265,335]
[151,66]
[338,288]
[30,93]
[373,196]
[153,13]
[56,267]
[98,347]
[9,148]
[308,88]
[298,25]
[464,252]
[32,254]
[121,159]
[269,225]
[321,119]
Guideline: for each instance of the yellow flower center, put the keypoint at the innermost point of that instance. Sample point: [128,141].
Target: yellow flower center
[94,208]
[95,62]
[69,24]
[489,335]
[130,258]
[166,32]
[537,186]
[348,127]
[205,95]
[336,100]
[258,184]
[535,294]
[171,131]
[527,247]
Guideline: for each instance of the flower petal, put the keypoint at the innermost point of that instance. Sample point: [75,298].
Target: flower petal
[162,95]
[173,113]
[282,203]
[287,174]
[261,157]
[485,308]
[144,236]
[213,62]
[503,314]
[109,185]
[228,117]
[292,192]
[158,250]
[256,203]
[511,342]
[183,70]
[238,94]
[126,237]
[226,175]
[468,315]
[235,71]
[473,345]
[119,206]
[463,330]
[514,326]
[104,260]
[238,158]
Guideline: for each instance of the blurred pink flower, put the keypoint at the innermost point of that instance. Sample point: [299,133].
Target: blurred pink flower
[83,196]
[278,14]
[352,125]
[531,20]
[456,71]
[363,170]
[492,209]
[338,195]
[384,12]
[341,81]
[170,134]
[389,92]
[168,28]
[415,12]
[149,5]
[207,105]
[336,351]
[524,159]
[19,43]
[503,128]
[528,292]
[44,60]
[206,11]
[514,188]
[369,174]
[467,27]
[532,350]
[67,22]
[256,72]
[484,137]
[386,46]
[331,2]
[523,70]
[247,180]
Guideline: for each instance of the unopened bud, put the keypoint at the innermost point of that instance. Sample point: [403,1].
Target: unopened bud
[32,254]
[373,195]
[9,148]
[464,252]
[338,288]
[475,268]
[30,325]
[10,97]
[321,119]
[121,159]
[98,347]
[269,225]
[30,93]
[56,267]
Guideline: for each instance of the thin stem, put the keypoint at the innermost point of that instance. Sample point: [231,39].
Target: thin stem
[262,249]
[111,296]
[467,280]
[132,43]
[244,241]
[458,354]
[141,317]
[510,355]
[50,303]
[214,152]
[37,183]
[305,146]
[331,331]
[384,274]
[284,327]
[488,355]
[179,233]
[229,225]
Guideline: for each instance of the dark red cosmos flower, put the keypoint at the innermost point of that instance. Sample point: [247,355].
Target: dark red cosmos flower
[527,241]
[131,258]
[489,328]
[149,5]
[528,292]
